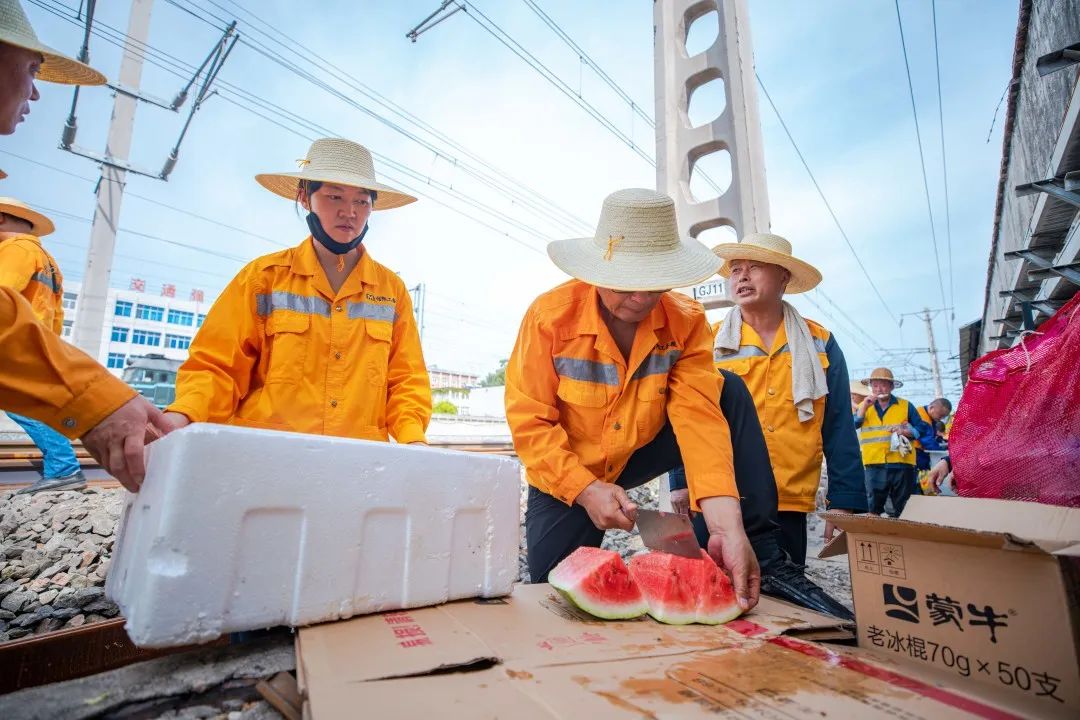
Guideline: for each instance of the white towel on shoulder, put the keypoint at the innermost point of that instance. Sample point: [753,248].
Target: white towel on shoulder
[807,375]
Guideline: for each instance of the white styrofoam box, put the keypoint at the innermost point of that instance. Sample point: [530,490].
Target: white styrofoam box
[236,529]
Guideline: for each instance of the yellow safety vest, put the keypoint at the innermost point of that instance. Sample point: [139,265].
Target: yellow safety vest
[926,419]
[875,438]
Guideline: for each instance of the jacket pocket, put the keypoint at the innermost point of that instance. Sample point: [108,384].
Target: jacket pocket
[379,336]
[651,406]
[582,408]
[288,335]
[739,367]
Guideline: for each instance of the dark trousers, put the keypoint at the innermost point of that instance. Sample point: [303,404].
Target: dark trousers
[553,529]
[889,483]
[793,535]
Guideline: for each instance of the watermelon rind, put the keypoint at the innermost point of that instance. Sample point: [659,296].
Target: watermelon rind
[591,578]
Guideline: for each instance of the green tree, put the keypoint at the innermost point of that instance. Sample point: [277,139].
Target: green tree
[496,378]
[444,407]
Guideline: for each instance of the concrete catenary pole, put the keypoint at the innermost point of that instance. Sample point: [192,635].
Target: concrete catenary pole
[90,316]
[935,368]
[745,205]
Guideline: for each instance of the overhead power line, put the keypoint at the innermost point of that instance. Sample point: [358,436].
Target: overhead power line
[922,156]
[944,171]
[828,205]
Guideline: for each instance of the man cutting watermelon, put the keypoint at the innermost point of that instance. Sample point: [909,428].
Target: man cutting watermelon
[611,383]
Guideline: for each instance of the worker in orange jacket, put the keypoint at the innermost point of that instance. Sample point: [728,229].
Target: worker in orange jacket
[27,267]
[611,383]
[41,376]
[318,338]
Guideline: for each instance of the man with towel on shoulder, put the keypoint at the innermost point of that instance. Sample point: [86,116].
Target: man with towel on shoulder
[797,375]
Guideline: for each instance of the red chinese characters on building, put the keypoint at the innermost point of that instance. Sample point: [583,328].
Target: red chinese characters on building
[137,284]
[168,290]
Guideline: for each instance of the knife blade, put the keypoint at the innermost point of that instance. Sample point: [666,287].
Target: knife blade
[668,532]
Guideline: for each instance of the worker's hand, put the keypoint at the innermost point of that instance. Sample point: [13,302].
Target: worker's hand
[865,405]
[937,476]
[830,529]
[176,420]
[608,506]
[117,441]
[730,548]
[680,501]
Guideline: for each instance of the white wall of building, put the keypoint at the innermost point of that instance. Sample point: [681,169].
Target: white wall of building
[134,326]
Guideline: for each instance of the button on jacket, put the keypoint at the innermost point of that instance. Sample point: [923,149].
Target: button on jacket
[280,350]
[29,269]
[577,410]
[796,448]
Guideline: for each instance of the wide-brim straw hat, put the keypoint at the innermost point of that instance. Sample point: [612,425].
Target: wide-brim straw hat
[858,388]
[882,373]
[40,225]
[769,248]
[15,29]
[339,161]
[636,247]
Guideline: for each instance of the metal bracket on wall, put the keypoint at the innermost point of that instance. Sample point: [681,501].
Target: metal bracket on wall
[1058,60]
[1066,188]
[1045,266]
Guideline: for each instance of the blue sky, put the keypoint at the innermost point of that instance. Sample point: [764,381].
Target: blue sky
[834,68]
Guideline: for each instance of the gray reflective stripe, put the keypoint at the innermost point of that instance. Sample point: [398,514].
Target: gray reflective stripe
[371,311]
[48,280]
[587,371]
[819,345]
[746,351]
[657,364]
[269,302]
[874,440]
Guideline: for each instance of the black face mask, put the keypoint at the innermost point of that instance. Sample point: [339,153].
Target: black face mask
[317,232]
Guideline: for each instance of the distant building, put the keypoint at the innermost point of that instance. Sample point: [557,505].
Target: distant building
[138,323]
[451,379]
[1035,254]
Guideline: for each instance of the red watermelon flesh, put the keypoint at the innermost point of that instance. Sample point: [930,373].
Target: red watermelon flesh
[683,590]
[717,602]
[598,582]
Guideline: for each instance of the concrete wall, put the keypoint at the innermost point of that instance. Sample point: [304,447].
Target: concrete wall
[1040,106]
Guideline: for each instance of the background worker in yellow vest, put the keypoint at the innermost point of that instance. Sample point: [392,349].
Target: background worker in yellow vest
[887,426]
[933,415]
[797,375]
[29,269]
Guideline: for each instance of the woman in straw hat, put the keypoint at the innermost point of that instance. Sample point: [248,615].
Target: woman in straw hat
[41,376]
[611,383]
[318,338]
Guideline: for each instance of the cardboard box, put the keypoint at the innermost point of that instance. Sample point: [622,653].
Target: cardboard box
[981,592]
[534,656]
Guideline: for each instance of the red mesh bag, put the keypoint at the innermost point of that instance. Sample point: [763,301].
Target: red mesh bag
[1016,435]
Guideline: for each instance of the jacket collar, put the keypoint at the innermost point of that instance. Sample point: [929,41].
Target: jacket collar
[305,262]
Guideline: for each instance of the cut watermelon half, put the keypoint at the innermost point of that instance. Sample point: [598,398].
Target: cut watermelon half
[683,590]
[598,582]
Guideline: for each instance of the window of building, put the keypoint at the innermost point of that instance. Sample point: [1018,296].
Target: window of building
[116,360]
[201,318]
[123,309]
[149,312]
[145,337]
[119,334]
[66,332]
[177,342]
[179,317]
[69,300]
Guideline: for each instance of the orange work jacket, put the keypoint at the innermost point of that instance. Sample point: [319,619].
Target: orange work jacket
[29,269]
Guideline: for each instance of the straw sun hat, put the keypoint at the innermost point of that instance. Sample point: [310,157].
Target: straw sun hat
[334,160]
[883,374]
[636,247]
[39,224]
[773,249]
[15,30]
[858,388]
